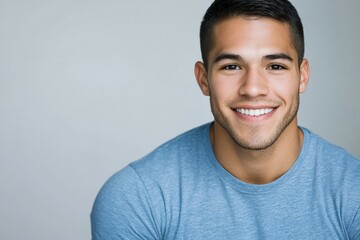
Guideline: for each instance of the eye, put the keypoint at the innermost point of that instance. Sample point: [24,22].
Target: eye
[231,67]
[276,67]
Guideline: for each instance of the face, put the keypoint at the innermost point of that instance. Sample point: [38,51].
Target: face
[253,80]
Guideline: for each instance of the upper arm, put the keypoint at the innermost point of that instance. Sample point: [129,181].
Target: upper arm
[123,210]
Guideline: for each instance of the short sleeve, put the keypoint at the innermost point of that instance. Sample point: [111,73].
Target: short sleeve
[122,209]
[354,231]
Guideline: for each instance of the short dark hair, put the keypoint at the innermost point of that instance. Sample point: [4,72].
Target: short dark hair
[280,10]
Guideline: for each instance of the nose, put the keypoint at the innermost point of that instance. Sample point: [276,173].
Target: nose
[254,84]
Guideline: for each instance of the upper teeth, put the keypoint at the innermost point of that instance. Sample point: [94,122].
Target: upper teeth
[254,112]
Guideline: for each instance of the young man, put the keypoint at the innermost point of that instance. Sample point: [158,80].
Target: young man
[252,173]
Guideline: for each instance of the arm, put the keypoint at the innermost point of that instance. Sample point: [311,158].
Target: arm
[122,209]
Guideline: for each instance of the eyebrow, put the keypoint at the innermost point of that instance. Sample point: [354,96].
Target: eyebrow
[236,57]
[278,56]
[228,56]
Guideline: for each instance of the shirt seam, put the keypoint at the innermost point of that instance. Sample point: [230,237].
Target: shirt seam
[352,222]
[150,200]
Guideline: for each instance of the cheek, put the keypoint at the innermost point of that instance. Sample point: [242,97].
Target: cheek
[224,88]
[286,88]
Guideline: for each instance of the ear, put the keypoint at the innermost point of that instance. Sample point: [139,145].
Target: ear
[201,78]
[304,75]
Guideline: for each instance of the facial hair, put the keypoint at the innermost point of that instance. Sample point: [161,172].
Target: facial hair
[256,141]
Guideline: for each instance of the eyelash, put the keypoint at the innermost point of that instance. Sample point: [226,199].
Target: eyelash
[274,67]
[231,67]
[278,67]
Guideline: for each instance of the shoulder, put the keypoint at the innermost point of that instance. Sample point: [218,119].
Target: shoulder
[133,198]
[118,205]
[332,156]
[338,166]
[338,173]
[337,169]
[180,152]
[160,162]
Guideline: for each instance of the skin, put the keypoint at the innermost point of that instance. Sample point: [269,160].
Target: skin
[253,65]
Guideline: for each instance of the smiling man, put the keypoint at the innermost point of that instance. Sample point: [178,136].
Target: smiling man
[253,78]
[252,173]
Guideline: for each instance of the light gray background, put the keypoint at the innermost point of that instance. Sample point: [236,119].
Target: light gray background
[88,86]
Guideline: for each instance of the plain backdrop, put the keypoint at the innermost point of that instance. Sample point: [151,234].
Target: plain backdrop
[88,86]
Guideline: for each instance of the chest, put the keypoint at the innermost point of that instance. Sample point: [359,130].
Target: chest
[226,213]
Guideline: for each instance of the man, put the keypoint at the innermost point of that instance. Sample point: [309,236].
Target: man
[252,173]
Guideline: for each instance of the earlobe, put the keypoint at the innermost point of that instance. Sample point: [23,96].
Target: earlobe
[201,78]
[304,75]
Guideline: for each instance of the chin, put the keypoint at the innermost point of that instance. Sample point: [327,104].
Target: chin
[254,142]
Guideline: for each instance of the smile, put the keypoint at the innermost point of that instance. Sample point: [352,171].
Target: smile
[254,112]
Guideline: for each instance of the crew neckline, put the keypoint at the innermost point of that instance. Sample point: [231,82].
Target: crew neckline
[248,187]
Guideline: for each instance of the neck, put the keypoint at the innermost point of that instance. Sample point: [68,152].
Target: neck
[257,166]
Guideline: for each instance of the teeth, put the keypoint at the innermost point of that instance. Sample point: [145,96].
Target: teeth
[254,112]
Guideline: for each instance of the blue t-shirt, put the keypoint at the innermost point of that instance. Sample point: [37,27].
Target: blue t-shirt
[180,191]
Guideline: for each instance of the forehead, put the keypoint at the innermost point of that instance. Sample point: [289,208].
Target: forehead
[254,34]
